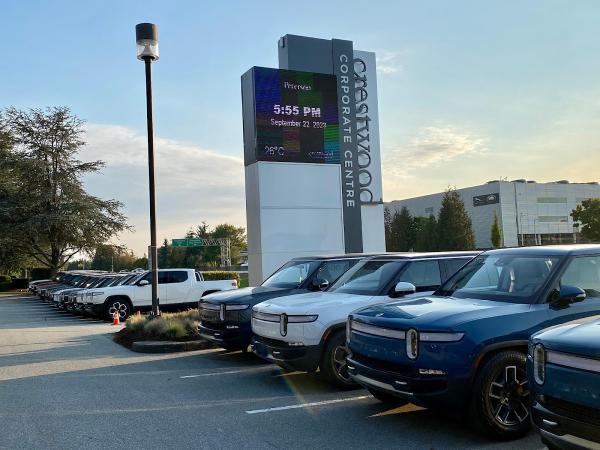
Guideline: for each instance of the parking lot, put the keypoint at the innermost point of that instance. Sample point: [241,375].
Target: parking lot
[65,384]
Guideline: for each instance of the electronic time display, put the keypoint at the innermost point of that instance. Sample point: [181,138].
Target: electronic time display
[296,116]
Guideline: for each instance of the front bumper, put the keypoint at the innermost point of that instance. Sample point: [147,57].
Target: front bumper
[226,334]
[405,382]
[301,358]
[566,425]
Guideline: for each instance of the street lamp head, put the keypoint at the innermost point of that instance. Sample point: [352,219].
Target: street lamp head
[146,37]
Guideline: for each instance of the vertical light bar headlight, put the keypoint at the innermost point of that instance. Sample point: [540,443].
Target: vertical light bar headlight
[412,343]
[539,364]
[348,331]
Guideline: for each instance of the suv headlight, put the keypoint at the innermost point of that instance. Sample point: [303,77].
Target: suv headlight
[412,343]
[348,331]
[440,336]
[302,319]
[236,307]
[210,306]
[539,364]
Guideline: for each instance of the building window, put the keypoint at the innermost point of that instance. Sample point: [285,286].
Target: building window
[553,219]
[552,200]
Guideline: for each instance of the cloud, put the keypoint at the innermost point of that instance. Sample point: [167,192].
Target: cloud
[431,146]
[388,62]
[192,184]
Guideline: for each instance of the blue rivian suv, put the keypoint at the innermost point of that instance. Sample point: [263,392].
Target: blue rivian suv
[564,378]
[464,348]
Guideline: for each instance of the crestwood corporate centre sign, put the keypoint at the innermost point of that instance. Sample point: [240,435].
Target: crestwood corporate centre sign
[343,58]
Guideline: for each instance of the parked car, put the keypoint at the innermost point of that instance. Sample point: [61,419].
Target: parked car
[306,332]
[226,316]
[79,302]
[177,288]
[564,378]
[464,348]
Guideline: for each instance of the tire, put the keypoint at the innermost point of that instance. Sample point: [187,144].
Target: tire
[499,407]
[120,304]
[333,362]
[386,398]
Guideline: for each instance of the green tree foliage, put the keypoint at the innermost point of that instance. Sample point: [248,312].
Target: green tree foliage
[402,232]
[426,239]
[203,257]
[588,215]
[496,233]
[45,213]
[455,230]
[113,257]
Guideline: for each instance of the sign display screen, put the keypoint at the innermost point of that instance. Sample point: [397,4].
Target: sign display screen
[296,116]
[487,199]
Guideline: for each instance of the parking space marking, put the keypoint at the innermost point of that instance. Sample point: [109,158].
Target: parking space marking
[308,405]
[230,372]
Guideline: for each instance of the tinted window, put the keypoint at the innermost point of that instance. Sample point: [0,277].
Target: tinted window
[178,276]
[506,278]
[367,277]
[163,277]
[292,274]
[453,264]
[423,274]
[584,272]
[332,270]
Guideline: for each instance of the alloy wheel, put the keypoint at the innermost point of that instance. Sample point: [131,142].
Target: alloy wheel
[120,308]
[339,363]
[508,397]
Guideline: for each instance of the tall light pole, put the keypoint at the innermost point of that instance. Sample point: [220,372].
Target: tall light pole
[146,36]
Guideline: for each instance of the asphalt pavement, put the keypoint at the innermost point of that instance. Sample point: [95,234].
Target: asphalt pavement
[64,384]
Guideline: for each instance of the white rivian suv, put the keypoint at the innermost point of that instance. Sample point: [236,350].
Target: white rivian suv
[307,332]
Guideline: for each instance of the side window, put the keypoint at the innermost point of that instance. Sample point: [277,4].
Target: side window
[332,270]
[453,264]
[178,276]
[425,275]
[163,277]
[198,276]
[584,272]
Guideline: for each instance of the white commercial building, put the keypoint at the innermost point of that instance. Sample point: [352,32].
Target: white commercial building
[530,213]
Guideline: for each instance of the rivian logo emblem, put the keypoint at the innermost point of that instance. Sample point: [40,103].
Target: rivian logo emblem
[283,323]
[222,312]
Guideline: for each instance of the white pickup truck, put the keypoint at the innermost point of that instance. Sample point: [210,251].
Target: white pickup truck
[177,288]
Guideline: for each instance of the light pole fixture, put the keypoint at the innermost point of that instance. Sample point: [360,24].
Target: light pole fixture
[146,37]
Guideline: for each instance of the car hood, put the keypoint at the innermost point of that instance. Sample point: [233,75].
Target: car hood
[435,312]
[580,337]
[314,303]
[249,295]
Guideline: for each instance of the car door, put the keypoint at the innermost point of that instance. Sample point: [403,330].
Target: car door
[142,295]
[584,273]
[179,286]
[424,274]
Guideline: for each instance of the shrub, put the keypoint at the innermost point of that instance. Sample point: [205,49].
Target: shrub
[221,275]
[168,326]
[4,285]
[176,330]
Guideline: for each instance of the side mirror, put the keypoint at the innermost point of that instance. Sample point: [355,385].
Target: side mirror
[403,288]
[567,295]
[143,283]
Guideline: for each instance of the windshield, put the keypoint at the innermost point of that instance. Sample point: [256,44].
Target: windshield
[503,278]
[367,277]
[292,274]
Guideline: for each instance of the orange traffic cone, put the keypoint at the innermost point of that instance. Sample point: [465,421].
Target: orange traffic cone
[116,318]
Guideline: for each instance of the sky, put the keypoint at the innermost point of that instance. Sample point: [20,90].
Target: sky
[469,91]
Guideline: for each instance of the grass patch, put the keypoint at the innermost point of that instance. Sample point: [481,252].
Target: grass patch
[178,326]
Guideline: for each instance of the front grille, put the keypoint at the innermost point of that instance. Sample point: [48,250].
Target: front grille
[571,410]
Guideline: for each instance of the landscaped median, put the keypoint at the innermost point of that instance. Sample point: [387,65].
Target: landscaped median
[171,332]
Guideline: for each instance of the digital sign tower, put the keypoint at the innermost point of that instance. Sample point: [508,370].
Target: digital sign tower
[311,151]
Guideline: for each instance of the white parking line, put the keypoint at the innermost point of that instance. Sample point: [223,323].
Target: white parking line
[307,405]
[229,372]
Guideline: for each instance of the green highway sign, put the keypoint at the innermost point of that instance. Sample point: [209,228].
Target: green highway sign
[195,242]
[179,242]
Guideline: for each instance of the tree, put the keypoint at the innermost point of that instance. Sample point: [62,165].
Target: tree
[588,215]
[402,231]
[496,233]
[113,257]
[45,213]
[426,239]
[455,230]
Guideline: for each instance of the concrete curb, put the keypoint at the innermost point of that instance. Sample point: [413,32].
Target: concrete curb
[169,346]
